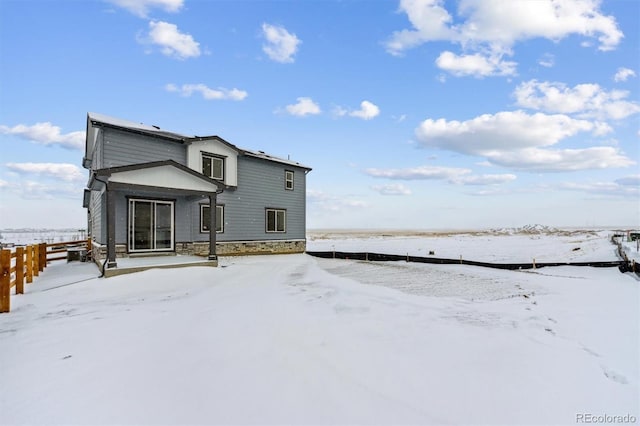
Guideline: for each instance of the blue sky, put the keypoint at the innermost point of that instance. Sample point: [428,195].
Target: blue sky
[413,114]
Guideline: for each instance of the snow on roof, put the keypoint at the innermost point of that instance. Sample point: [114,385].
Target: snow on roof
[263,155]
[126,124]
[93,117]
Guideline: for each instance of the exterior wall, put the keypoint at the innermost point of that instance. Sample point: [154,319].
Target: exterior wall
[237,248]
[260,186]
[97,209]
[123,148]
[194,158]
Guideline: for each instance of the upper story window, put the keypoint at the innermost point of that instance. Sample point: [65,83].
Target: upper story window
[213,166]
[288,180]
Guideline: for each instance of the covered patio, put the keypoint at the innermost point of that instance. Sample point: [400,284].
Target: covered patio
[146,216]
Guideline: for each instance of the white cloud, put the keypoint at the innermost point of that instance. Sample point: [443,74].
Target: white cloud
[141,7]
[586,100]
[477,65]
[506,130]
[281,45]
[561,160]
[623,74]
[367,111]
[419,173]
[602,188]
[60,171]
[392,189]
[494,179]
[493,27]
[207,93]
[172,42]
[430,21]
[333,203]
[3,184]
[304,106]
[547,60]
[454,175]
[515,139]
[46,134]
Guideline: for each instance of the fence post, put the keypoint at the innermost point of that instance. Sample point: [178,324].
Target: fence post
[42,254]
[5,280]
[534,263]
[36,259]
[29,264]
[20,270]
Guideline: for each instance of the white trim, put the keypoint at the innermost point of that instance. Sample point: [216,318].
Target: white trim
[288,173]
[220,206]
[163,176]
[266,220]
[212,157]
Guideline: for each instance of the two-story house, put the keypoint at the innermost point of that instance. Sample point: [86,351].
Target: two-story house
[151,192]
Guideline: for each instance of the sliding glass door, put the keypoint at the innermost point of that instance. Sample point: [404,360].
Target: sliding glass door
[150,225]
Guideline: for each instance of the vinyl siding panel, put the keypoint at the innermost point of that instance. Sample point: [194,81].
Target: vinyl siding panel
[122,148]
[98,213]
[261,185]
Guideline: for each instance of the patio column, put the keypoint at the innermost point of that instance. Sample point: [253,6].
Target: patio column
[212,226]
[111,228]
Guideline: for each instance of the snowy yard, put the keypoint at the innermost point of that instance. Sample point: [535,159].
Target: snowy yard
[298,340]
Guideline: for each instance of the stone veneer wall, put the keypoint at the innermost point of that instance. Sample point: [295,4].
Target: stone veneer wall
[234,248]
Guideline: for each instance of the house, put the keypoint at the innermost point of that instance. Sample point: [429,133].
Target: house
[150,192]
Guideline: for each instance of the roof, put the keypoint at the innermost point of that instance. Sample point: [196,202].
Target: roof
[96,120]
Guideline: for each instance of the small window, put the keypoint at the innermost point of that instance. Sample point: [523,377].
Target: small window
[213,167]
[288,180]
[205,218]
[276,220]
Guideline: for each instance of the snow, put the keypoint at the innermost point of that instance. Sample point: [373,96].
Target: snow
[514,246]
[291,339]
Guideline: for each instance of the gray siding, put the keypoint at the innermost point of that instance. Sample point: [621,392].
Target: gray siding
[260,186]
[98,213]
[123,148]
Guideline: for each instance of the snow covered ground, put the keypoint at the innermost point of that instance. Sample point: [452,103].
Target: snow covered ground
[298,340]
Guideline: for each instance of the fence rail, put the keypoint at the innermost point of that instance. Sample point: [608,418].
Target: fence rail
[379,257]
[23,263]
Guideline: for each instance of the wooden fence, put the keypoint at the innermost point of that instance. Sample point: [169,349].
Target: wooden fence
[26,262]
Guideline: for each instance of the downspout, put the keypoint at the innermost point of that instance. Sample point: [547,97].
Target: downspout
[110,229]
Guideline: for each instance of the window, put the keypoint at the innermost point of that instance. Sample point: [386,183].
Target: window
[205,218]
[213,167]
[288,180]
[276,220]
[151,225]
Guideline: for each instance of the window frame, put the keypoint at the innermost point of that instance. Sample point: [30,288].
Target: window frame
[213,157]
[131,205]
[288,173]
[221,216]
[276,222]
